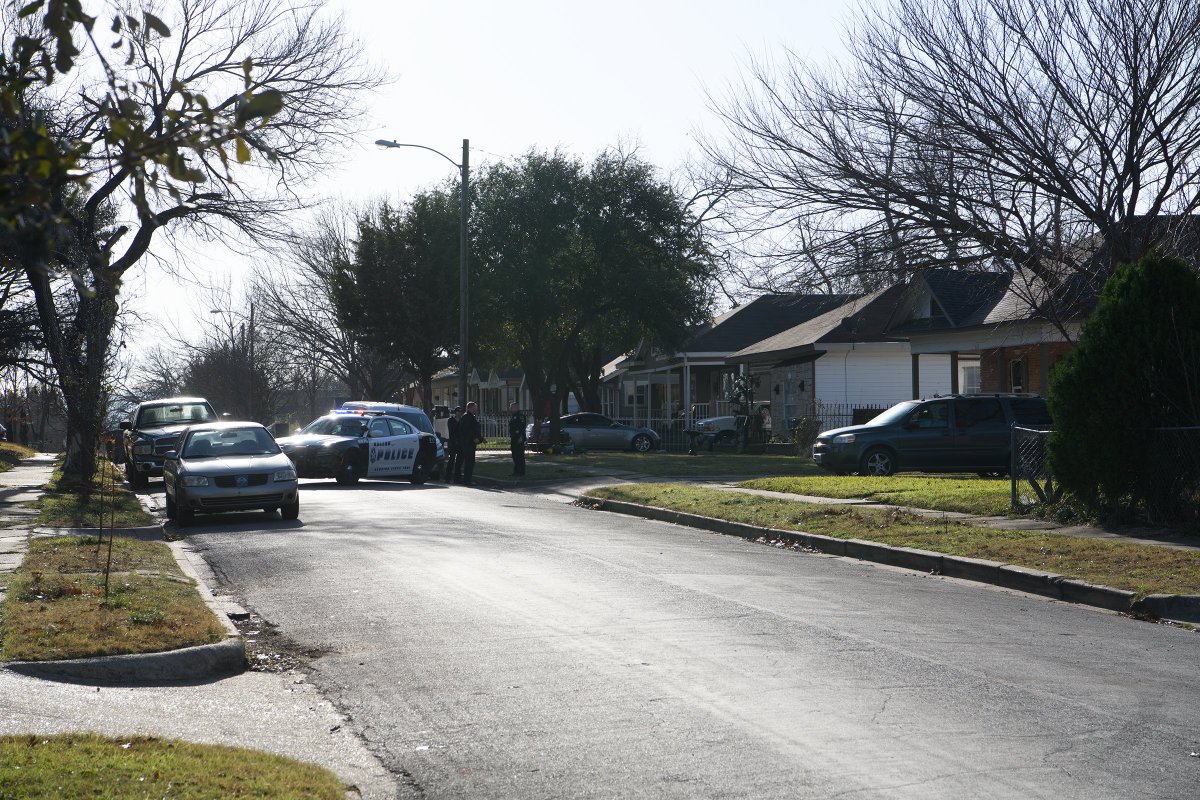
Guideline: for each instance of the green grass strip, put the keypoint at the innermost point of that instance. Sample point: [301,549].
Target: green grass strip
[973,495]
[55,606]
[87,765]
[1141,568]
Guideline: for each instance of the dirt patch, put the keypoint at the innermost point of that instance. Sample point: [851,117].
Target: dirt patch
[268,650]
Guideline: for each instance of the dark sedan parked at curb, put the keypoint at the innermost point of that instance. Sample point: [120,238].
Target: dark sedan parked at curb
[228,466]
[351,445]
[961,433]
[597,432]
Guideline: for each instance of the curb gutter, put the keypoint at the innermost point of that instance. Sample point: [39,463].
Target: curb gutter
[1184,608]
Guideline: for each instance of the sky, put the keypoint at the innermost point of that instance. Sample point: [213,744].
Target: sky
[511,75]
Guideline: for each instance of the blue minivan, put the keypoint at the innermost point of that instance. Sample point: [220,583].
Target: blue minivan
[958,433]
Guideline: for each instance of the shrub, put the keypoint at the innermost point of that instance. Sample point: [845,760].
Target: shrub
[1134,370]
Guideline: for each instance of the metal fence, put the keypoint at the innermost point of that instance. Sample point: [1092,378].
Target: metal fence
[1170,484]
[1032,483]
[1168,489]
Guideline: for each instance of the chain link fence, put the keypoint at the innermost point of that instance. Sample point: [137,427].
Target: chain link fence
[1171,478]
[1032,483]
[1167,492]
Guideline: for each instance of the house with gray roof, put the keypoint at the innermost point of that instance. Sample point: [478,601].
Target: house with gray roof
[695,380]
[839,365]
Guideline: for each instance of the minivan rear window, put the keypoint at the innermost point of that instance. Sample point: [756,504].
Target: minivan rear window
[1031,411]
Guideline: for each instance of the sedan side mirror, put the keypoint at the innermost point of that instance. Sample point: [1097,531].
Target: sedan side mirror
[170,455]
[126,425]
[376,435]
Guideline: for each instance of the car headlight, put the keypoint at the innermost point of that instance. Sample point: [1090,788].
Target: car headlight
[143,447]
[286,474]
[708,428]
[845,438]
[195,480]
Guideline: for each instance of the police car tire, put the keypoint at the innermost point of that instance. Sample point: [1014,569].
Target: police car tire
[348,472]
[419,474]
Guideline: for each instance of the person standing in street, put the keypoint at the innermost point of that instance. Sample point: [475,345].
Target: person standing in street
[453,461]
[516,438]
[470,437]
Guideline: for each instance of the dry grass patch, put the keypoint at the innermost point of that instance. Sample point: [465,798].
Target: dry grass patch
[55,606]
[134,768]
[682,465]
[969,495]
[1144,569]
[109,505]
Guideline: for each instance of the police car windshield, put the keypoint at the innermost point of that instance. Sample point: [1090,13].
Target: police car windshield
[337,426]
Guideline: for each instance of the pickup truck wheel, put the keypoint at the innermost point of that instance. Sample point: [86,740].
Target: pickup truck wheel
[136,479]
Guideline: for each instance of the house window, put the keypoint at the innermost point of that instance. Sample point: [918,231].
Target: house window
[1016,376]
[969,379]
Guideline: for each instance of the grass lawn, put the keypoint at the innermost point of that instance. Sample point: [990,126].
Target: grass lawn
[110,506]
[13,454]
[55,606]
[607,462]
[969,495]
[535,471]
[87,765]
[1145,569]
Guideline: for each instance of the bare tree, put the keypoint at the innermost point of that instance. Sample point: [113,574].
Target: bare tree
[987,134]
[208,88]
[297,303]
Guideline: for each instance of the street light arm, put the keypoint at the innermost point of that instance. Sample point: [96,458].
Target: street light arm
[386,143]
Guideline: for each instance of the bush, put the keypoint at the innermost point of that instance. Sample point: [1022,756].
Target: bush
[1134,370]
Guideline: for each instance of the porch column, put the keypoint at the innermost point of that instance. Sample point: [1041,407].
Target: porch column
[687,395]
[954,372]
[1043,368]
[916,376]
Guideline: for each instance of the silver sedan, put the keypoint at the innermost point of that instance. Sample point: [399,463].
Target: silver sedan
[229,466]
[598,432]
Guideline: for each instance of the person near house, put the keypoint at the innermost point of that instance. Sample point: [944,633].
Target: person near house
[470,436]
[516,438]
[453,460]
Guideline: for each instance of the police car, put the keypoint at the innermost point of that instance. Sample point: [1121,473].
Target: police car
[349,445]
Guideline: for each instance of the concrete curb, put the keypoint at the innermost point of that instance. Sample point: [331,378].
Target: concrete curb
[201,663]
[197,664]
[1183,608]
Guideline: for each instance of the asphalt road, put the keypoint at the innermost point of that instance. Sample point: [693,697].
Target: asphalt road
[504,645]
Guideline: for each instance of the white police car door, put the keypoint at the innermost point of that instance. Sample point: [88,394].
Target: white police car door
[393,448]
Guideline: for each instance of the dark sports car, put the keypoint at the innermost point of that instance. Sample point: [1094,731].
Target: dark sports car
[349,446]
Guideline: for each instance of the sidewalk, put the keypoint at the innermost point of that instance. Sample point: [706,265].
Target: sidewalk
[276,712]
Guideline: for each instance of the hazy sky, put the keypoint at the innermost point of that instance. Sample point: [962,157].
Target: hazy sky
[511,75]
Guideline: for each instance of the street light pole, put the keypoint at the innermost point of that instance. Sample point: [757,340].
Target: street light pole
[464,170]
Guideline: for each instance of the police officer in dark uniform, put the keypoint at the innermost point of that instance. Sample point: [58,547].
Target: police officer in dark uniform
[470,436]
[453,448]
[516,438]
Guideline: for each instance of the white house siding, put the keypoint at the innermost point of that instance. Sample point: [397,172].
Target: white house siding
[934,375]
[868,375]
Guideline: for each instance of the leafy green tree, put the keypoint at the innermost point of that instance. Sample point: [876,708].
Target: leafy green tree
[578,263]
[157,138]
[398,292]
[1136,368]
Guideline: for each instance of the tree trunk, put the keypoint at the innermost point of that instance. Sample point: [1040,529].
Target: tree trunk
[80,356]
